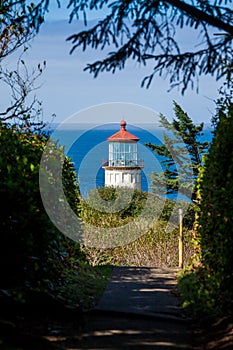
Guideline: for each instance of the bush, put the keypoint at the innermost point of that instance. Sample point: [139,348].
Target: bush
[155,248]
[215,220]
[32,251]
[111,207]
[212,280]
[147,247]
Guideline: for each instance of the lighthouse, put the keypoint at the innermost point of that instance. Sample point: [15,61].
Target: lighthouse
[123,168]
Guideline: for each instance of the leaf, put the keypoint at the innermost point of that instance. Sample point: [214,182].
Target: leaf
[25,160]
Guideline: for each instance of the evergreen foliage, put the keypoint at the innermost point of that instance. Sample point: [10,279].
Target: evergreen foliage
[147,31]
[144,31]
[33,251]
[105,202]
[206,286]
[181,154]
[215,221]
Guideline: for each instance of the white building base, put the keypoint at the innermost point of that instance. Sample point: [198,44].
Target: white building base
[122,177]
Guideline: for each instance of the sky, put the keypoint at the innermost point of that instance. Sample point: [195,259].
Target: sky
[65,89]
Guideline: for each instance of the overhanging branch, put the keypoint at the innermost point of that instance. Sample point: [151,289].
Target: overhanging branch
[201,15]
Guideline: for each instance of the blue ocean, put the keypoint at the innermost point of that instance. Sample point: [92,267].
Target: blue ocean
[88,148]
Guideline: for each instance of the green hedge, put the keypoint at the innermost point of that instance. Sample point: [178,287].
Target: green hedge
[215,211]
[32,250]
[208,287]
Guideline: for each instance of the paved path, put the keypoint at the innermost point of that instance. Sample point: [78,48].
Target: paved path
[138,310]
[142,291]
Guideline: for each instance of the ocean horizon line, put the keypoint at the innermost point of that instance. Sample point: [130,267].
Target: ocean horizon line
[110,126]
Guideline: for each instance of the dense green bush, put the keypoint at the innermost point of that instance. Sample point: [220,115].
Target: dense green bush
[32,251]
[208,288]
[112,207]
[215,220]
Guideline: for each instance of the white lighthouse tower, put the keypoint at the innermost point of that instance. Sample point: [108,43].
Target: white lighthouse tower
[123,169]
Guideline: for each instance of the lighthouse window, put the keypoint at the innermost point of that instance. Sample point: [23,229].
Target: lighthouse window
[123,153]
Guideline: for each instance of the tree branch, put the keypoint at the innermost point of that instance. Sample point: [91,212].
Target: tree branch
[201,15]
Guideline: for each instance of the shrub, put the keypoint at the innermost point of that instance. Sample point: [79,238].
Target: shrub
[215,220]
[32,250]
[208,288]
[148,247]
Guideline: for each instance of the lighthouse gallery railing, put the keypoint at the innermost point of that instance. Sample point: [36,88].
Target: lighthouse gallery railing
[123,163]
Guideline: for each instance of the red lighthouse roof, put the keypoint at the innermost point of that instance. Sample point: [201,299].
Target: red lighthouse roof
[123,134]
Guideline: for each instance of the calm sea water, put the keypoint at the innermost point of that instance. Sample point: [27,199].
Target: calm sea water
[88,149]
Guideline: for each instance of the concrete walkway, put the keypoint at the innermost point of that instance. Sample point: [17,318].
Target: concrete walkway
[143,291]
[138,310]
